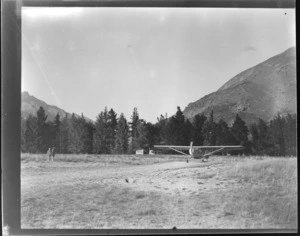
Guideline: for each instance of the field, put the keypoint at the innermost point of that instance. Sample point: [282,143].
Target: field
[162,192]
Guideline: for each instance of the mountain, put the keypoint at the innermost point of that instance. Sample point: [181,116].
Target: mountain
[31,104]
[259,92]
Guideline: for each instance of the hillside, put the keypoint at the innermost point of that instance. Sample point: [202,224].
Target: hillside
[259,92]
[30,105]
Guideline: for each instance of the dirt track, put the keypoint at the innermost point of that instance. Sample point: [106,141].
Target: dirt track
[171,178]
[66,194]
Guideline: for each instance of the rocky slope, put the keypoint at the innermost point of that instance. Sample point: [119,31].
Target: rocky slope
[259,92]
[30,105]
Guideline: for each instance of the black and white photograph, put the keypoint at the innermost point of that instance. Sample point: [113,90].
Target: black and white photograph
[158,118]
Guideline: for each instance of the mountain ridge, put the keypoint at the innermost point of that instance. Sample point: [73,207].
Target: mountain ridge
[30,105]
[258,92]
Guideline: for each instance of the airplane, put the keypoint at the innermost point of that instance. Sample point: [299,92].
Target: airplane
[196,152]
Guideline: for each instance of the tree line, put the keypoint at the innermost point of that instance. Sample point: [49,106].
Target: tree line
[113,134]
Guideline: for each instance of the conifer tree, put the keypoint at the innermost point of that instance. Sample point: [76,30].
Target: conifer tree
[171,131]
[57,132]
[41,130]
[209,130]
[111,129]
[277,132]
[98,140]
[140,142]
[198,124]
[187,133]
[290,134]
[75,144]
[134,123]
[30,134]
[261,138]
[222,133]
[152,134]
[64,135]
[122,134]
[88,137]
[239,131]
[182,137]
[104,134]
[161,126]
[254,138]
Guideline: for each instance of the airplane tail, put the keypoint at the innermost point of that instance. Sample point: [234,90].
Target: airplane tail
[191,149]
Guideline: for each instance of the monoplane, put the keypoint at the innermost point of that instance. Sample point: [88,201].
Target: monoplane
[199,152]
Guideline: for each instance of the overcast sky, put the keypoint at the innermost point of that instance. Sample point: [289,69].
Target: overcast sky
[155,59]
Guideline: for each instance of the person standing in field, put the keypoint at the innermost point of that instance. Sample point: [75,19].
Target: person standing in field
[49,154]
[53,153]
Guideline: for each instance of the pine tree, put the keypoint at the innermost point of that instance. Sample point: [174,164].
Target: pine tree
[98,140]
[198,124]
[175,129]
[141,139]
[261,138]
[122,134]
[187,133]
[88,137]
[112,125]
[182,138]
[30,134]
[161,127]
[137,132]
[222,133]
[41,130]
[57,133]
[64,135]
[277,132]
[171,131]
[153,135]
[85,133]
[134,123]
[290,134]
[209,130]
[254,138]
[239,131]
[75,144]
[104,133]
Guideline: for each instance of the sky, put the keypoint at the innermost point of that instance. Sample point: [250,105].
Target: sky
[85,59]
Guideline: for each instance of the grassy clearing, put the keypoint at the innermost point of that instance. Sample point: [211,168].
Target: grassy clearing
[264,195]
[104,159]
[269,192]
[105,206]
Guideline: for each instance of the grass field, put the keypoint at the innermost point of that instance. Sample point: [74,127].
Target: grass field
[105,191]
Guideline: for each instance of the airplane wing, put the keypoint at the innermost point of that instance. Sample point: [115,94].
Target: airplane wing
[227,148]
[191,148]
[169,147]
[216,149]
[174,148]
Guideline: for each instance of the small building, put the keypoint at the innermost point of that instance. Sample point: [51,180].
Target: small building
[139,152]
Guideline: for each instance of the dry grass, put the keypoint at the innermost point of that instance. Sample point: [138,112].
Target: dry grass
[105,159]
[269,192]
[72,195]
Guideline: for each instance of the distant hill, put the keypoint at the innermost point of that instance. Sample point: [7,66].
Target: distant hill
[259,92]
[31,104]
